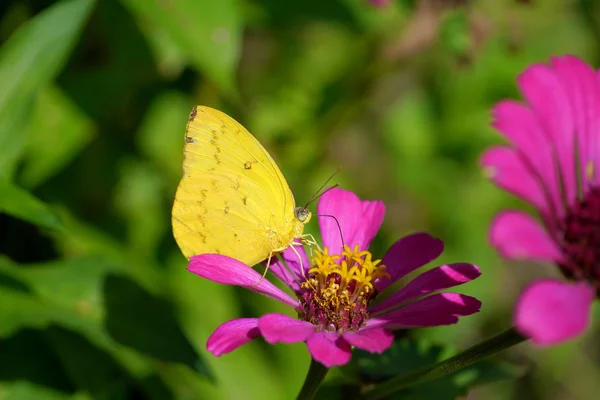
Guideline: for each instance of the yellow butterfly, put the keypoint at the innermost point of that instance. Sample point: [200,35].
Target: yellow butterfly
[232,199]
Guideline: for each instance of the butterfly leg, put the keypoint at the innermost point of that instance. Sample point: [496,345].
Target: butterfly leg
[309,240]
[266,269]
[302,271]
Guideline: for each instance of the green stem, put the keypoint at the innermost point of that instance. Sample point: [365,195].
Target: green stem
[460,361]
[314,377]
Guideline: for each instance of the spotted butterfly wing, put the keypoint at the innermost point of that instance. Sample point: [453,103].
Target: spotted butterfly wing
[232,199]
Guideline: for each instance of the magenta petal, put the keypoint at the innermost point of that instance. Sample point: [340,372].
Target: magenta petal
[376,340]
[329,348]
[433,280]
[544,91]
[282,328]
[231,335]
[551,311]
[408,254]
[359,220]
[521,126]
[518,236]
[583,92]
[506,169]
[229,271]
[291,274]
[437,309]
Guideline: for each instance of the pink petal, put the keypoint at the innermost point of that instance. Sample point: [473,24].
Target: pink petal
[291,274]
[583,92]
[544,91]
[437,309]
[520,125]
[408,254]
[518,236]
[229,271]
[551,311]
[359,220]
[506,168]
[282,328]
[231,335]
[433,280]
[375,340]
[329,348]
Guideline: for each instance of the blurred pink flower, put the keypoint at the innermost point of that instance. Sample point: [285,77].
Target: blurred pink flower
[335,291]
[552,164]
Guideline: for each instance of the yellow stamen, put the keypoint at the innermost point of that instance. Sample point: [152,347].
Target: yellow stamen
[589,170]
[342,285]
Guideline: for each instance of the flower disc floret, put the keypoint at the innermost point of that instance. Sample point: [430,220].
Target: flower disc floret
[338,290]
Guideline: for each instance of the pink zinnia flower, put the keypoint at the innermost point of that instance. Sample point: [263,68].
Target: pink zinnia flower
[333,294]
[552,163]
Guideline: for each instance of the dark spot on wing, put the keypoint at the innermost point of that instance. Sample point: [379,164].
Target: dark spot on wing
[189,139]
[193,113]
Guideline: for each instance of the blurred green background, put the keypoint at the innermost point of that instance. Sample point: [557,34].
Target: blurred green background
[95,300]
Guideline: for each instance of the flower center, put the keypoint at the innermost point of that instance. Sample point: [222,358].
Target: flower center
[581,240]
[339,288]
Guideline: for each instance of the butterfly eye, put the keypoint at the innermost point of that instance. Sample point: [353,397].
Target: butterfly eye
[302,214]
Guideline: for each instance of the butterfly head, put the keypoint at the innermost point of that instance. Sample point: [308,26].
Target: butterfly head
[302,214]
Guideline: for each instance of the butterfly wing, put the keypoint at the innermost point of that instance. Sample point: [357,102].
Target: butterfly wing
[232,199]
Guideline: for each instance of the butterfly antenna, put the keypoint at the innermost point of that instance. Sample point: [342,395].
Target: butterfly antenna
[318,192]
[338,225]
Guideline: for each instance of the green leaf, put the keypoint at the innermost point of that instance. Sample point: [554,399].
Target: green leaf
[131,313]
[22,310]
[170,58]
[208,32]
[31,344]
[29,60]
[407,355]
[67,293]
[139,198]
[57,132]
[21,204]
[161,133]
[455,32]
[14,122]
[84,239]
[20,390]
[90,296]
[104,378]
